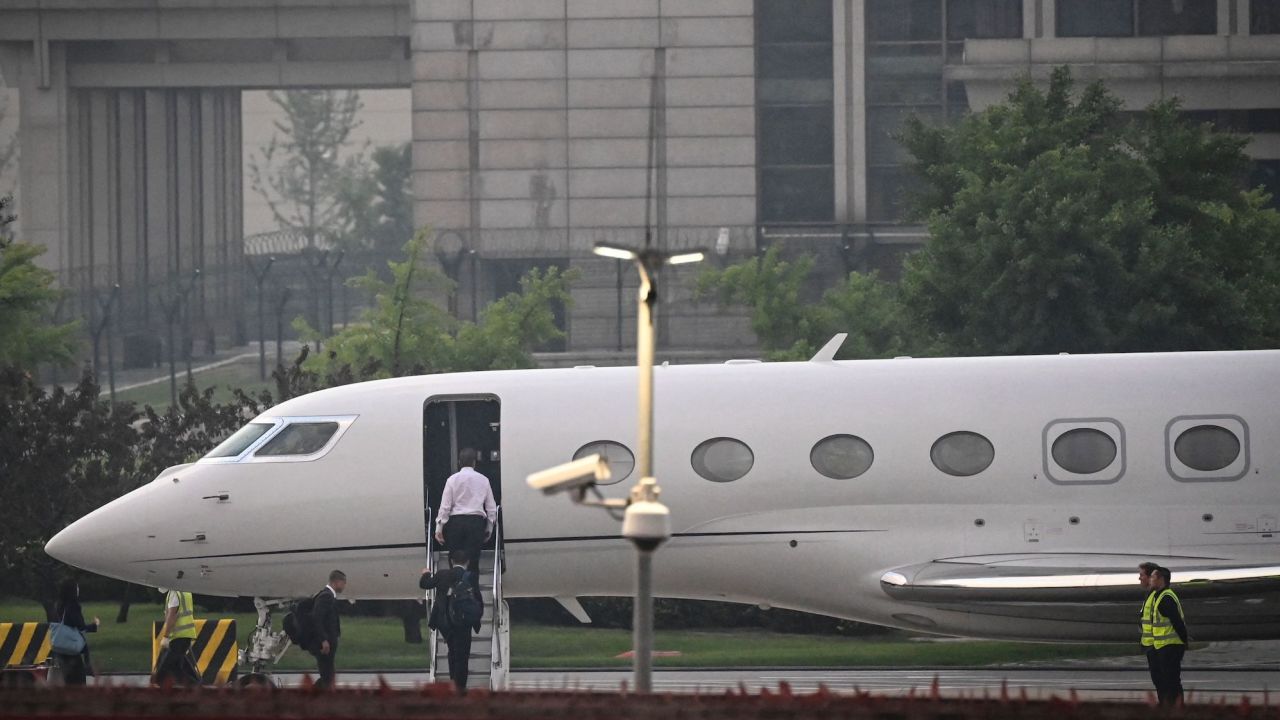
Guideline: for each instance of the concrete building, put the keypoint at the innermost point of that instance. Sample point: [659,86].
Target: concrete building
[531,120]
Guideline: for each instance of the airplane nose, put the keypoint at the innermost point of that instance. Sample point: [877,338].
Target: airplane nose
[75,545]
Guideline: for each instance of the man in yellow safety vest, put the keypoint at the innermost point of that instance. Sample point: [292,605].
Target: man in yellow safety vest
[1169,637]
[1148,607]
[176,664]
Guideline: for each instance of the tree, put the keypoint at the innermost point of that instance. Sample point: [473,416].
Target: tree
[376,205]
[393,172]
[27,294]
[1059,224]
[62,454]
[8,154]
[789,327]
[299,172]
[406,333]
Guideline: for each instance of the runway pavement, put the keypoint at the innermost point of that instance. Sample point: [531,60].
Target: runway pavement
[1042,683]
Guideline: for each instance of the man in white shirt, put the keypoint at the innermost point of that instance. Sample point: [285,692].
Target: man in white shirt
[467,511]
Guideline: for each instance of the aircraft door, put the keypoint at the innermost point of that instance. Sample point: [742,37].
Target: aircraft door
[449,425]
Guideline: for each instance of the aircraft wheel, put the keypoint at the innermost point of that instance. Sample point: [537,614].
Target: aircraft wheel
[255,680]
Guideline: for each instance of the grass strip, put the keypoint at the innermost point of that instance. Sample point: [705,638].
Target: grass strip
[377,643]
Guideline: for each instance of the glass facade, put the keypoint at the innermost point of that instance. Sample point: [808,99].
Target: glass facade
[795,147]
[907,48]
[1264,17]
[1127,18]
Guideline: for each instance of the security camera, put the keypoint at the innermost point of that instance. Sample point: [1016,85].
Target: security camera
[577,475]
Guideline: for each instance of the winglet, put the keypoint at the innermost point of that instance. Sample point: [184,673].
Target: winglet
[828,351]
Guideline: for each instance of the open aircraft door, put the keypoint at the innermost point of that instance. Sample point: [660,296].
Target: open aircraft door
[453,422]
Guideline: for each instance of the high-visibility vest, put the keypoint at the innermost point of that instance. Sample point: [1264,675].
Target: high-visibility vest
[1162,632]
[1148,608]
[184,626]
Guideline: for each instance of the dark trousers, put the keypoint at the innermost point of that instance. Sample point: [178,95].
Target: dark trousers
[74,668]
[1169,669]
[466,532]
[176,666]
[325,664]
[459,640]
[1151,666]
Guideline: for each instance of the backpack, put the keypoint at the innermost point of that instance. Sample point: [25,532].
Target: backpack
[297,622]
[465,608]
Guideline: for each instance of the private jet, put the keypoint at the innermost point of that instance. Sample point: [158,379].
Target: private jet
[994,497]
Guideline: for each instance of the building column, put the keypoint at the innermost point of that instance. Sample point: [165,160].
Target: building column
[43,137]
[158,195]
[855,127]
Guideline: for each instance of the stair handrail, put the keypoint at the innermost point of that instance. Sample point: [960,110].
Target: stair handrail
[497,671]
[428,598]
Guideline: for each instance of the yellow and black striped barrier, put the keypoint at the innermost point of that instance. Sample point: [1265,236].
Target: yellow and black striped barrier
[24,643]
[215,650]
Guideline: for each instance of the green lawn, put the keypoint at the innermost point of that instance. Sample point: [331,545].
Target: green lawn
[378,643]
[241,374]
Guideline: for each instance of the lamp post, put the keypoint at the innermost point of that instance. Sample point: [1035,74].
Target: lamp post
[647,522]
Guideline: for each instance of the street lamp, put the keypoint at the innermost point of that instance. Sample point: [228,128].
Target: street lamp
[646,521]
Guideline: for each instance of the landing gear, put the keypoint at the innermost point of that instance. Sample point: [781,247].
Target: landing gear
[264,648]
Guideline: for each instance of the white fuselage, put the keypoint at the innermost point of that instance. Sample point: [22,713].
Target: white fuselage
[783,534]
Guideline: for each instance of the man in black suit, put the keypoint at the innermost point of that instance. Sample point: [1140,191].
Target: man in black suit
[326,627]
[459,638]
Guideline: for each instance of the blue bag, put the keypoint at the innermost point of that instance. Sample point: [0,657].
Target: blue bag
[64,639]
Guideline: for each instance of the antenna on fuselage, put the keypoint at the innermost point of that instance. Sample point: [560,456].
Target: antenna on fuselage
[828,351]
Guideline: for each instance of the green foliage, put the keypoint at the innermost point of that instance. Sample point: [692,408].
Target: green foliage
[299,172]
[62,454]
[791,328]
[1057,225]
[27,294]
[392,174]
[406,333]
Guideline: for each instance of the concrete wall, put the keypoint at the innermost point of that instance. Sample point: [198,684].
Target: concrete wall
[531,133]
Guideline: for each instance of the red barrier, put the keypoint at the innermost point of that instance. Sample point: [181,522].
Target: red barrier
[438,702]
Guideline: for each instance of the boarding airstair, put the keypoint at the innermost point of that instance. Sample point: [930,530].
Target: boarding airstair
[491,648]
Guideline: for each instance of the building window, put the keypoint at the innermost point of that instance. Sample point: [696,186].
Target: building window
[1266,173]
[841,457]
[1207,448]
[795,147]
[1126,18]
[1095,18]
[1264,17]
[619,458]
[908,45]
[506,275]
[984,19]
[722,459]
[1177,17]
[962,453]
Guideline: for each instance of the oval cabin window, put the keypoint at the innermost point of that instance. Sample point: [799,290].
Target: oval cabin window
[722,459]
[1084,451]
[962,453]
[841,457]
[620,459]
[1207,448]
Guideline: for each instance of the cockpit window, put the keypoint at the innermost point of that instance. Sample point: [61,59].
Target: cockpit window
[241,440]
[300,438]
